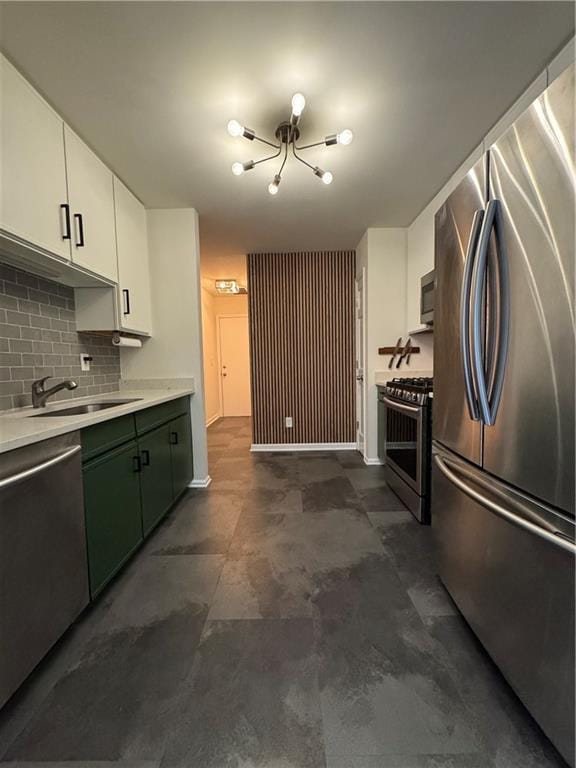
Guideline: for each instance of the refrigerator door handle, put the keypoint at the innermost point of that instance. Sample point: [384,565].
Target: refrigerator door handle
[471,398]
[502,326]
[488,414]
[556,538]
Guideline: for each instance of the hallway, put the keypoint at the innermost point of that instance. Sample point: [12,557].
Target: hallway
[288,617]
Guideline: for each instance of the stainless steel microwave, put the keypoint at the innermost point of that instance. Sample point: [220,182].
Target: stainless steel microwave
[427,294]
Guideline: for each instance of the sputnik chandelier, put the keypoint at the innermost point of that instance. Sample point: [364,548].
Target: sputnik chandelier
[287,135]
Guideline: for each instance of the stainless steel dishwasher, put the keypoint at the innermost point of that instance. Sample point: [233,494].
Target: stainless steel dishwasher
[43,566]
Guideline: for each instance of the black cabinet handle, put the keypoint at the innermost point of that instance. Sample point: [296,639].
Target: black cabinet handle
[79,229]
[173,438]
[145,458]
[137,464]
[126,295]
[67,233]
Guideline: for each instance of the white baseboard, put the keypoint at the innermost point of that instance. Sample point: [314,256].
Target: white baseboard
[373,462]
[256,447]
[212,420]
[201,483]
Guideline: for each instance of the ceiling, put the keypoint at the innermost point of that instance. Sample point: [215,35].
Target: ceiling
[151,86]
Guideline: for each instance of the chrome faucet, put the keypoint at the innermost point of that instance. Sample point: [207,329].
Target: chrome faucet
[40,395]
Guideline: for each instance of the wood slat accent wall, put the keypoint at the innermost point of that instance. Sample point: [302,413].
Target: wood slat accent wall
[301,308]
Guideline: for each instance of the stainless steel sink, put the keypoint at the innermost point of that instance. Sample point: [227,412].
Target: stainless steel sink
[77,410]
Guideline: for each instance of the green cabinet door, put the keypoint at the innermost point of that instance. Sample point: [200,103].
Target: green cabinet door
[156,477]
[181,445]
[113,517]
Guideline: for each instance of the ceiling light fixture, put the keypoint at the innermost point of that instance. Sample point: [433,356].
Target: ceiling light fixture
[227,286]
[287,133]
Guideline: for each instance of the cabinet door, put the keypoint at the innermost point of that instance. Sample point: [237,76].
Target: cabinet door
[181,445]
[91,195]
[133,275]
[156,477]
[113,514]
[32,167]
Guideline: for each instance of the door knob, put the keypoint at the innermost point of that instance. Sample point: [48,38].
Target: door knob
[359,378]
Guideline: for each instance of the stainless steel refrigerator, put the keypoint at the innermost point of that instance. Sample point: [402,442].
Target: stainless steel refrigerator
[503,428]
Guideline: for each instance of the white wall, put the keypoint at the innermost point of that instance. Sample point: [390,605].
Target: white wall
[175,349]
[420,238]
[383,253]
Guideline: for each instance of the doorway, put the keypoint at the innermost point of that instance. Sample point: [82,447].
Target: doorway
[234,364]
[360,362]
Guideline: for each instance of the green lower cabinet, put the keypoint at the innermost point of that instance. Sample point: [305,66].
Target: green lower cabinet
[156,476]
[113,515]
[181,446]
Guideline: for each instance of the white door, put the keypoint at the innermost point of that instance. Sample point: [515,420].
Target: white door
[91,195]
[360,361]
[133,271]
[33,191]
[235,365]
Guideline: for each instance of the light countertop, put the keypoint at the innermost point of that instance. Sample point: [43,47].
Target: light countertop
[17,428]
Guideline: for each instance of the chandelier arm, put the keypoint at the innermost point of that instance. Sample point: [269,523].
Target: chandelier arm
[270,157]
[316,144]
[300,159]
[283,161]
[265,141]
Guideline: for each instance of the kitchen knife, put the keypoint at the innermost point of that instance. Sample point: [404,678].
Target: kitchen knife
[409,353]
[396,350]
[405,351]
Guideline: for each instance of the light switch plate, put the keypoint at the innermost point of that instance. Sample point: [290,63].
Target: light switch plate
[84,363]
[289,423]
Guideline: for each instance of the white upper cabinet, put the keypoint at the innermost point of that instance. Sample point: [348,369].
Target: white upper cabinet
[91,196]
[33,194]
[133,275]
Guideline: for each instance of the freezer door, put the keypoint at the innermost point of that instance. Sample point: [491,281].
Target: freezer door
[509,565]
[531,444]
[457,226]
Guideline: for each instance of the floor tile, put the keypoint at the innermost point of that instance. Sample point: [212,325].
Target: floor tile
[272,501]
[349,459]
[384,692]
[319,468]
[409,761]
[266,714]
[329,494]
[119,701]
[380,499]
[84,764]
[153,589]
[257,587]
[411,546]
[366,478]
[199,525]
[510,736]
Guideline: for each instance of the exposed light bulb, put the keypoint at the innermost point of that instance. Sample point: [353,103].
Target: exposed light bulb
[298,104]
[273,186]
[235,129]
[345,137]
[237,169]
[327,177]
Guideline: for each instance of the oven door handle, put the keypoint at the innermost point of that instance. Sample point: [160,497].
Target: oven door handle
[402,406]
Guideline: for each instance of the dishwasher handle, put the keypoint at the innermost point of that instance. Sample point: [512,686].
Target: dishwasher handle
[36,470]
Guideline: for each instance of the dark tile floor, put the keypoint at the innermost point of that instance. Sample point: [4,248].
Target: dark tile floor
[288,617]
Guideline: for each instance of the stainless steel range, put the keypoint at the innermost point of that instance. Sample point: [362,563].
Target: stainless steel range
[404,429]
